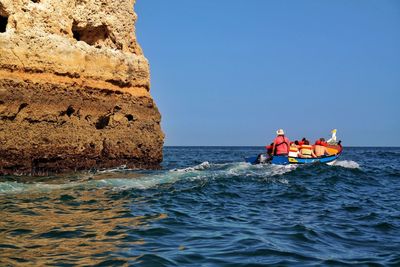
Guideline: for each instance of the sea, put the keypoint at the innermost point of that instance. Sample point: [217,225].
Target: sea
[207,207]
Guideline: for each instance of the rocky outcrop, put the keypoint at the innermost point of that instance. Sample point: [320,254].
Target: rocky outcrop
[74,88]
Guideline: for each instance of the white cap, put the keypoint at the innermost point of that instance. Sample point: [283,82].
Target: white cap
[280,132]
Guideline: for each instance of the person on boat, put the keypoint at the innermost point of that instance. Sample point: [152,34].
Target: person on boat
[281,144]
[302,141]
[306,151]
[323,142]
[297,143]
[320,148]
[269,149]
[332,140]
[294,150]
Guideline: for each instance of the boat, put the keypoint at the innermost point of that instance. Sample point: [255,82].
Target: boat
[334,152]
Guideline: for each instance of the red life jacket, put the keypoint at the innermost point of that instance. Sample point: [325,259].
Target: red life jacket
[281,145]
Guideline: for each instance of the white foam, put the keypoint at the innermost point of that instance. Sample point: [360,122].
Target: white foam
[11,187]
[120,168]
[117,180]
[14,187]
[125,184]
[238,168]
[282,169]
[346,164]
[201,166]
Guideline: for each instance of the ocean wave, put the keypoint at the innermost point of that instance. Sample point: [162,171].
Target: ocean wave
[123,179]
[349,164]
[15,187]
[201,166]
[281,170]
[117,169]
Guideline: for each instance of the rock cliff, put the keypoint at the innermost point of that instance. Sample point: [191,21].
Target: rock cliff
[74,88]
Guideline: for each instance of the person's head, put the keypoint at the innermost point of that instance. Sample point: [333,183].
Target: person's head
[280,132]
[304,139]
[296,142]
[322,139]
[306,142]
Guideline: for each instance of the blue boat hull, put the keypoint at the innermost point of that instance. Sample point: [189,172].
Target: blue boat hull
[279,160]
[282,160]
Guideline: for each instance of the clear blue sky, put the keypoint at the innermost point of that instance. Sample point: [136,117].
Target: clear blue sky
[231,72]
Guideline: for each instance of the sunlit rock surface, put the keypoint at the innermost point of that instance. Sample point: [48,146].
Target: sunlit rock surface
[74,88]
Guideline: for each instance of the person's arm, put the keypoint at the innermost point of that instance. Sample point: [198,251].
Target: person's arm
[313,155]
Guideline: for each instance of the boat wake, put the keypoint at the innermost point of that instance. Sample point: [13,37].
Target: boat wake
[125,179]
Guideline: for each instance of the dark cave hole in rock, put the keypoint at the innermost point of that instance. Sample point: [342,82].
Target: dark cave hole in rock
[36,1]
[3,23]
[92,35]
[102,122]
[70,110]
[129,117]
[76,35]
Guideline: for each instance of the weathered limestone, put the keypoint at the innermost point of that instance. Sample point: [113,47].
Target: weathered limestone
[74,88]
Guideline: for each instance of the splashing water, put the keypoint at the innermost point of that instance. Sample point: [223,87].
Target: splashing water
[202,166]
[346,164]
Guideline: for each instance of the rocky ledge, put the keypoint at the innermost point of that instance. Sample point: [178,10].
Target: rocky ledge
[74,88]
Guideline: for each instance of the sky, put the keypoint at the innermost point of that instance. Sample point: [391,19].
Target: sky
[232,72]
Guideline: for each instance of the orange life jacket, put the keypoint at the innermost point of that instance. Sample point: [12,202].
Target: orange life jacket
[293,151]
[306,150]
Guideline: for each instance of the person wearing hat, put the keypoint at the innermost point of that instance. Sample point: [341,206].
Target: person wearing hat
[281,144]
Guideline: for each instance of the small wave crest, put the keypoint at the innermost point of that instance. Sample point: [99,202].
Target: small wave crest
[15,187]
[8,187]
[349,164]
[282,169]
[201,166]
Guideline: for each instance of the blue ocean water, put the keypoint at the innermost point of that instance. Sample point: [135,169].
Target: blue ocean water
[206,207]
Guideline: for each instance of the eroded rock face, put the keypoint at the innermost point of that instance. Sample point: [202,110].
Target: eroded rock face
[74,88]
